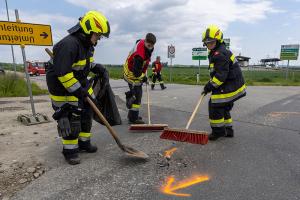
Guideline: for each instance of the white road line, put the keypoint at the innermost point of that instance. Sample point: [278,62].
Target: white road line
[286,102]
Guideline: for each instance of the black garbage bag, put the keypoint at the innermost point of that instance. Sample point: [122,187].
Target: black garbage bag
[105,101]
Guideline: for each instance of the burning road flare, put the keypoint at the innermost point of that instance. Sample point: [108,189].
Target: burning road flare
[170,152]
[170,187]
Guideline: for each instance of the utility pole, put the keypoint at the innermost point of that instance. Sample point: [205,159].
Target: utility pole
[11,46]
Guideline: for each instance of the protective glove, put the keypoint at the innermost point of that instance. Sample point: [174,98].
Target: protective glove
[81,93]
[207,88]
[63,127]
[145,80]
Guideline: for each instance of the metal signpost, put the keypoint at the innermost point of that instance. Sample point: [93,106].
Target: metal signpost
[17,33]
[289,52]
[199,54]
[171,55]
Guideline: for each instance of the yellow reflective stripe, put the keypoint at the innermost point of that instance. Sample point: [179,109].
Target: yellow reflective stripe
[92,59]
[223,96]
[70,82]
[63,98]
[142,76]
[130,76]
[86,135]
[66,142]
[90,91]
[80,62]
[217,81]
[232,57]
[136,106]
[211,65]
[216,121]
[66,77]
[228,121]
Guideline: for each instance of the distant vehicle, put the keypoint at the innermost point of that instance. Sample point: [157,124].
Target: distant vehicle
[2,72]
[35,68]
[268,67]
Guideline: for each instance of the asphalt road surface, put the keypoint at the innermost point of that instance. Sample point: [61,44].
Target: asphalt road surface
[262,161]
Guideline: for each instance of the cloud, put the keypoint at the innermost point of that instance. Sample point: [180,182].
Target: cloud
[179,22]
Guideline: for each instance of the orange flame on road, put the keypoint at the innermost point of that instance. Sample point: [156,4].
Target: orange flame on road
[170,189]
[170,152]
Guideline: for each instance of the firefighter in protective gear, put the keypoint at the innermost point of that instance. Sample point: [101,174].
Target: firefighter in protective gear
[226,83]
[68,84]
[156,73]
[135,69]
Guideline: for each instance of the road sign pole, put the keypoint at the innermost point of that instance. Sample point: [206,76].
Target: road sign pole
[199,71]
[26,70]
[170,72]
[287,70]
[28,80]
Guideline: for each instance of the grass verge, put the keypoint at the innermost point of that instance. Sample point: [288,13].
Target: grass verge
[14,86]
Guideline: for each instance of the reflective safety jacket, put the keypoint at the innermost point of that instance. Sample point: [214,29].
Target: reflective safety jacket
[226,76]
[73,60]
[138,52]
[156,67]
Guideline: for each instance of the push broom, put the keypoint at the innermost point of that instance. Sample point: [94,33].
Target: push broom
[185,135]
[149,126]
[128,150]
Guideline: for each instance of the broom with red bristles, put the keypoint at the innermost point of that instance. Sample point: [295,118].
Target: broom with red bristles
[148,127]
[185,135]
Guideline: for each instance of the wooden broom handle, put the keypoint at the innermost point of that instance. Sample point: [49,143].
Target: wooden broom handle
[102,118]
[194,112]
[49,52]
[148,102]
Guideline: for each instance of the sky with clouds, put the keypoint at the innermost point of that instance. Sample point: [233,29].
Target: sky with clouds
[257,28]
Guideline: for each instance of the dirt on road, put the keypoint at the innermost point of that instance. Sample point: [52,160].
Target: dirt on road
[22,147]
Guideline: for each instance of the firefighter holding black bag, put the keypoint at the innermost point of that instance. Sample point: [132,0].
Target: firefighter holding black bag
[68,84]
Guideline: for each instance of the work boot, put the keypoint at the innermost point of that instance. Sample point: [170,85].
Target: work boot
[138,121]
[229,132]
[71,158]
[163,86]
[152,87]
[87,146]
[214,136]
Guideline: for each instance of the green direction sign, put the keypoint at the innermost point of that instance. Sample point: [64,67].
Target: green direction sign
[227,43]
[199,53]
[289,52]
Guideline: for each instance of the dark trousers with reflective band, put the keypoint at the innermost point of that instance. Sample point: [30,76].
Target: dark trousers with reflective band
[81,130]
[159,78]
[133,112]
[220,118]
[86,125]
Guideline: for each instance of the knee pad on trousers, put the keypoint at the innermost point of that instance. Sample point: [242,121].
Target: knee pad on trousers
[75,124]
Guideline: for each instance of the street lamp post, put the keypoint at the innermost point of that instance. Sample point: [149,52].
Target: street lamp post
[11,46]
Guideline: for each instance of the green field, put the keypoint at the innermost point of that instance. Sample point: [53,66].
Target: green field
[187,75]
[10,67]
[13,86]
